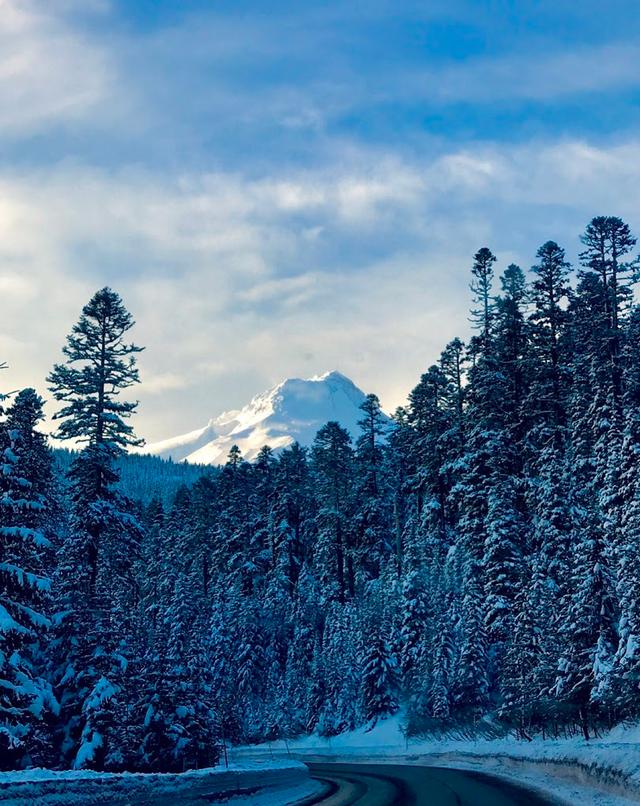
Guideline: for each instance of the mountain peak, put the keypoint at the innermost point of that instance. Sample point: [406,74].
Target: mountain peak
[332,374]
[292,411]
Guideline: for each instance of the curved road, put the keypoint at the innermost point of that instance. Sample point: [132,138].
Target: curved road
[397,785]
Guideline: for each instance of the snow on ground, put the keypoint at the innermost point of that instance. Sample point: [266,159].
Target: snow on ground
[262,782]
[603,771]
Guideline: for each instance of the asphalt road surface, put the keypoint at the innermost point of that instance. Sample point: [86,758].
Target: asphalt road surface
[397,785]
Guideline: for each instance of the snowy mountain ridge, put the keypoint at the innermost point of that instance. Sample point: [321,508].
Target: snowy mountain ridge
[292,411]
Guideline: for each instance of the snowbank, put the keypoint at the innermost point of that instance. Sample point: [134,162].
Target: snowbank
[258,782]
[604,771]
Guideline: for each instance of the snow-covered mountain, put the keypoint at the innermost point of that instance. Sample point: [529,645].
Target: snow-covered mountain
[294,410]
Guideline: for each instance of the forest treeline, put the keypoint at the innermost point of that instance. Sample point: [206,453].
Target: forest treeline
[474,561]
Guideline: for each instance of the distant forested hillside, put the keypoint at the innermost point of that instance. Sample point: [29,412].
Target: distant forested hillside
[143,477]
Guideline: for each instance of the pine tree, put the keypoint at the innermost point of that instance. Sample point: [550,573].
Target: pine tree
[548,290]
[491,535]
[588,632]
[302,659]
[546,440]
[379,678]
[502,560]
[430,419]
[98,553]
[398,463]
[99,366]
[293,513]
[482,272]
[627,660]
[413,630]
[340,695]
[233,537]
[250,667]
[471,685]
[511,333]
[26,535]
[333,468]
[264,529]
[372,516]
[607,239]
[441,679]
[452,362]
[527,673]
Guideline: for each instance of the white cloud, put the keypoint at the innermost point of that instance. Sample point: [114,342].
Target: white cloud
[165,382]
[49,72]
[230,291]
[286,290]
[536,75]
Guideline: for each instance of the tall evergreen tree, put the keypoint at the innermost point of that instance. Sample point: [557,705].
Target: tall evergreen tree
[372,516]
[607,240]
[100,365]
[627,666]
[333,465]
[379,679]
[482,271]
[26,542]
[547,400]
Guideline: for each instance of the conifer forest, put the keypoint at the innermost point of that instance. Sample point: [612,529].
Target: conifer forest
[472,562]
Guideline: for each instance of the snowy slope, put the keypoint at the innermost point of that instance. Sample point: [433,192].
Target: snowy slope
[292,411]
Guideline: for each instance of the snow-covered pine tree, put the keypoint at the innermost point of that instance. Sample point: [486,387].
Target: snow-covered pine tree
[627,660]
[333,473]
[188,712]
[249,662]
[222,654]
[482,271]
[526,673]
[434,447]
[340,710]
[264,535]
[379,678]
[490,537]
[413,628]
[548,291]
[97,555]
[233,538]
[607,239]
[583,684]
[546,404]
[471,683]
[440,689]
[512,346]
[306,619]
[373,516]
[399,468]
[293,514]
[26,540]
[499,386]
[589,608]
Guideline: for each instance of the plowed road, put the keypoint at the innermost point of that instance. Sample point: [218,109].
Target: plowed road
[397,785]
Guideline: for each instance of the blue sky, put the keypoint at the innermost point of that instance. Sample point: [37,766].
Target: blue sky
[279,189]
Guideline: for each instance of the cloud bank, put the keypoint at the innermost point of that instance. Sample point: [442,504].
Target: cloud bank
[301,241]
